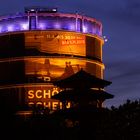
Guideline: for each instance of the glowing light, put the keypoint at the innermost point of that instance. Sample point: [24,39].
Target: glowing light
[24,26]
[54,10]
[57,25]
[10,28]
[85,29]
[32,10]
[105,38]
[0,29]
[72,27]
[24,113]
[89,26]
[42,26]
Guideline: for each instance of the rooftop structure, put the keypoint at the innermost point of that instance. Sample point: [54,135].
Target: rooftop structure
[82,88]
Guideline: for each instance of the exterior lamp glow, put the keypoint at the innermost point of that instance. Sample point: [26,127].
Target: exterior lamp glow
[57,25]
[41,26]
[24,26]
[84,29]
[10,28]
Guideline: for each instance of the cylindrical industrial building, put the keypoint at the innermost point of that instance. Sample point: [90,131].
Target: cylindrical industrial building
[41,46]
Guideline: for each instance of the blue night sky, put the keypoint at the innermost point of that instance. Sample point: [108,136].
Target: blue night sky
[121,25]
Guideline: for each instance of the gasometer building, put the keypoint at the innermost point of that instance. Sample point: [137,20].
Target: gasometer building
[42,45]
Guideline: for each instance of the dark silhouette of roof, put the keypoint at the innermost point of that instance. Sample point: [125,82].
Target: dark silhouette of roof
[82,79]
[87,94]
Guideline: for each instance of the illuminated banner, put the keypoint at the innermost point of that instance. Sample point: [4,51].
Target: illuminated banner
[57,42]
[40,95]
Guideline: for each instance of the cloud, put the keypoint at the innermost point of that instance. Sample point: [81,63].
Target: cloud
[125,77]
[123,73]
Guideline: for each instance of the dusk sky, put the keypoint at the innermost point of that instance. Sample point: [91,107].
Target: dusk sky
[121,26]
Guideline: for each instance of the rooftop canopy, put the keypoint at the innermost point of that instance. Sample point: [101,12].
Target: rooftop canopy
[82,80]
[77,95]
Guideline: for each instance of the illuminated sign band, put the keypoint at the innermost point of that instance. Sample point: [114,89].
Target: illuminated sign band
[57,42]
[41,96]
